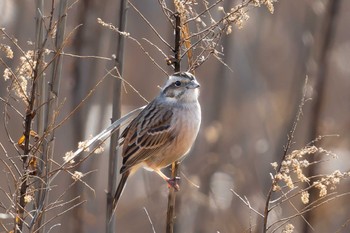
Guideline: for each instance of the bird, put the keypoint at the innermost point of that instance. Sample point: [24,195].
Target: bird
[163,132]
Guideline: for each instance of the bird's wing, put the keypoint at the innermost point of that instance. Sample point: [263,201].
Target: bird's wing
[148,133]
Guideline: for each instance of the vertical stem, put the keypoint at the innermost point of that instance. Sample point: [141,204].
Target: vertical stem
[41,82]
[177,52]
[42,108]
[322,48]
[170,220]
[52,100]
[116,113]
[48,93]
[20,202]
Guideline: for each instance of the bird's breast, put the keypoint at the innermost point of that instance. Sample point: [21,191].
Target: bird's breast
[185,124]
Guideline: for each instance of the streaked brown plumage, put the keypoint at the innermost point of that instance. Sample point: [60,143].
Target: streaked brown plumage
[164,130]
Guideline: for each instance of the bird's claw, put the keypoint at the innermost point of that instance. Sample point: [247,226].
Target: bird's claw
[172,182]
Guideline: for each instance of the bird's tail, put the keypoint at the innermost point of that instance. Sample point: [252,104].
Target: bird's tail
[119,191]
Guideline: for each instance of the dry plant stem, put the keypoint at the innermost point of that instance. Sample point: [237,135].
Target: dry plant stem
[42,92]
[48,114]
[285,152]
[111,27]
[168,13]
[323,47]
[325,200]
[85,56]
[149,219]
[14,144]
[203,12]
[6,102]
[79,179]
[246,202]
[116,114]
[82,102]
[52,97]
[9,168]
[60,214]
[51,127]
[175,166]
[177,49]
[118,76]
[30,113]
[15,78]
[151,26]
[155,46]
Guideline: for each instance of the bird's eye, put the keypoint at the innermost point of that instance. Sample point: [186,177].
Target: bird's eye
[177,83]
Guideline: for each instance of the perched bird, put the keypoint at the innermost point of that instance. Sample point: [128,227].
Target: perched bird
[163,132]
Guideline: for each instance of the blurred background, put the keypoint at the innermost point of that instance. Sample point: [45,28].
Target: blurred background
[247,112]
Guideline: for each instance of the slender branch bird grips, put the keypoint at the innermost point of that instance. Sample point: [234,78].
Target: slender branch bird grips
[163,132]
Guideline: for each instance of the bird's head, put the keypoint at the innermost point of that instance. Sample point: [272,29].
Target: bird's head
[181,87]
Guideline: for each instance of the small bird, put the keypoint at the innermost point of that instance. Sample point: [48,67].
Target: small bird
[163,132]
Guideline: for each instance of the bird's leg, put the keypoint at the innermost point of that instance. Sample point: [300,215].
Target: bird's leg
[172,182]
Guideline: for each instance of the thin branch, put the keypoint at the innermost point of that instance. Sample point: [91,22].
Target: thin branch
[52,227]
[151,26]
[167,12]
[211,28]
[82,101]
[59,214]
[344,225]
[310,208]
[118,76]
[127,35]
[85,56]
[79,179]
[285,152]
[11,106]
[246,202]
[149,219]
[154,45]
[203,12]
[23,92]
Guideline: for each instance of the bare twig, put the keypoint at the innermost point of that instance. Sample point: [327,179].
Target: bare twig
[42,110]
[52,100]
[118,76]
[154,45]
[203,12]
[82,102]
[343,226]
[308,209]
[167,12]
[60,214]
[149,219]
[123,33]
[84,56]
[151,26]
[16,80]
[246,202]
[286,149]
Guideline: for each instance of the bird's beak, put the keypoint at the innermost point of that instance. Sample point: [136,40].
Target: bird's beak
[192,85]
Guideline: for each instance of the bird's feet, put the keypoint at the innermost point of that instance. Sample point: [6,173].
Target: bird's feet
[172,182]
